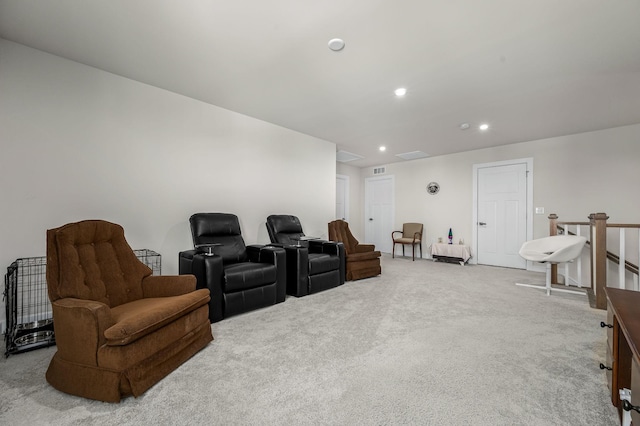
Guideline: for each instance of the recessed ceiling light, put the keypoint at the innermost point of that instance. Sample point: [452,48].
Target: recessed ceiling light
[484,126]
[382,148]
[401,91]
[336,44]
[464,126]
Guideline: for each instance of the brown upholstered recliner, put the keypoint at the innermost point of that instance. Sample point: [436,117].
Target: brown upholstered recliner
[119,330]
[363,261]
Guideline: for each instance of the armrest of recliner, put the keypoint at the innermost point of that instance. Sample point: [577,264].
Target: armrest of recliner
[275,245]
[368,255]
[79,327]
[135,320]
[362,248]
[167,285]
[332,248]
[209,273]
[337,248]
[266,253]
[276,256]
[327,247]
[317,246]
[297,266]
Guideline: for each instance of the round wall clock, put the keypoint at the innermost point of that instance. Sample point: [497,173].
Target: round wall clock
[433,188]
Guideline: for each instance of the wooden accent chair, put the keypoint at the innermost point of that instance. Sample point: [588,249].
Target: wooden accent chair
[411,234]
[363,261]
[119,330]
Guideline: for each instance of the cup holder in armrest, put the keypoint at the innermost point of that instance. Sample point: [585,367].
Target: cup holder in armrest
[207,249]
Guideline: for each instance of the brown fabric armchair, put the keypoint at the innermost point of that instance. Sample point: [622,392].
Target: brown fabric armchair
[119,330]
[363,261]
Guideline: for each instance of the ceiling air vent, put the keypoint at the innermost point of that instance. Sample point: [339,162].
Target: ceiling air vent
[412,155]
[344,156]
[379,170]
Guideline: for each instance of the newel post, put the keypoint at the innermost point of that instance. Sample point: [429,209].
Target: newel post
[599,257]
[553,224]
[553,230]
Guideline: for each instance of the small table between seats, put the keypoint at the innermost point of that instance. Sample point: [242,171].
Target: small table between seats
[458,253]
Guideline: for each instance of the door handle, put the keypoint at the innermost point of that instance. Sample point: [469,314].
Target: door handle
[370,218]
[482,223]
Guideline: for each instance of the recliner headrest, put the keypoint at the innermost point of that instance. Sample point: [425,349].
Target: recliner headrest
[286,224]
[214,224]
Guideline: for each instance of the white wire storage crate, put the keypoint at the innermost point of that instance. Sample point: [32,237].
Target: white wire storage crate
[29,317]
[150,258]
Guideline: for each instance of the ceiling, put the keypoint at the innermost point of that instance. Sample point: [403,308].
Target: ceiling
[531,69]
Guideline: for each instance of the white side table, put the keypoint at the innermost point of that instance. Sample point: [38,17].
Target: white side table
[459,253]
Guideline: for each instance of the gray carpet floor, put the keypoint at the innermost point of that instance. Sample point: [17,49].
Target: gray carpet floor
[426,343]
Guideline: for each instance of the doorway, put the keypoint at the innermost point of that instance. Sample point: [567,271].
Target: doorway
[342,197]
[502,220]
[379,211]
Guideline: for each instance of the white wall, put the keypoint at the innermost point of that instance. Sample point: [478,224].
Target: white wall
[573,175]
[79,143]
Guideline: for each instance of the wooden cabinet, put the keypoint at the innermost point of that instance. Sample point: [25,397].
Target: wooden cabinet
[623,341]
[635,384]
[609,355]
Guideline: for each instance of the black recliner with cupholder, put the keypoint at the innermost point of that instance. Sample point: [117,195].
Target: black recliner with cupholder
[313,265]
[239,278]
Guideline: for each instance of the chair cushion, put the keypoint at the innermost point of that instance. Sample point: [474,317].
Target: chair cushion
[285,223]
[339,231]
[136,319]
[209,224]
[554,249]
[321,262]
[246,275]
[405,240]
[96,262]
[410,229]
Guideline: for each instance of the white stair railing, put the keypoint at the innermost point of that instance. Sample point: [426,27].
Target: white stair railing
[626,275]
[568,229]
[626,260]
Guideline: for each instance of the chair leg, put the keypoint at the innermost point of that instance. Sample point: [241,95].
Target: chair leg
[413,252]
[547,287]
[393,251]
[548,279]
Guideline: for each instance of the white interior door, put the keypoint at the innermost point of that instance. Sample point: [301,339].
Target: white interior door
[342,197]
[379,212]
[502,222]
